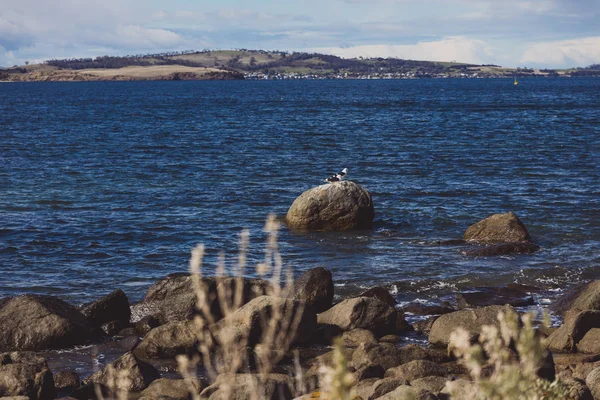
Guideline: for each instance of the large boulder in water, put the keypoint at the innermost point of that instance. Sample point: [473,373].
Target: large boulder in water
[112,307]
[35,322]
[498,228]
[334,206]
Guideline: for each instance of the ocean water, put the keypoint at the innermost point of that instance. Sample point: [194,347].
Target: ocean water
[107,185]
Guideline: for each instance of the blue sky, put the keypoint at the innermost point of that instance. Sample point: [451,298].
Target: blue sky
[513,33]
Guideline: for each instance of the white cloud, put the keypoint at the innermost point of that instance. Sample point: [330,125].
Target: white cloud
[448,49]
[564,53]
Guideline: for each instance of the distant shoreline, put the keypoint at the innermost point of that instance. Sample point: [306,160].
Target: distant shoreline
[262,65]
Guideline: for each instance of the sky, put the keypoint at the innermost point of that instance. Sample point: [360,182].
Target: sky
[511,33]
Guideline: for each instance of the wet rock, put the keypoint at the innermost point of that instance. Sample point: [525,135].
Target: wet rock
[249,320]
[112,307]
[483,297]
[173,389]
[502,249]
[146,324]
[139,374]
[356,337]
[25,374]
[34,322]
[332,207]
[361,312]
[315,289]
[470,320]
[566,338]
[416,369]
[402,326]
[168,340]
[423,309]
[235,387]
[113,327]
[66,380]
[581,297]
[424,325]
[498,228]
[380,293]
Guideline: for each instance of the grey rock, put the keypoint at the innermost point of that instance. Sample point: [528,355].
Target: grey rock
[66,380]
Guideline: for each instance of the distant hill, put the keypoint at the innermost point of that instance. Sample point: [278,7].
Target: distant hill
[260,64]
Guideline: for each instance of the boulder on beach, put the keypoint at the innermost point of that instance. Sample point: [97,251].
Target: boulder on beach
[361,312]
[574,328]
[334,206]
[470,320]
[173,298]
[168,340]
[25,374]
[171,389]
[139,374]
[293,319]
[112,307]
[498,228]
[315,289]
[36,322]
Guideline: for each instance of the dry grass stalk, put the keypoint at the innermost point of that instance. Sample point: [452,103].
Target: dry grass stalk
[223,347]
[512,377]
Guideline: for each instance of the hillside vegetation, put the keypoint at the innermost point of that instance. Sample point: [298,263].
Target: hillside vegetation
[260,64]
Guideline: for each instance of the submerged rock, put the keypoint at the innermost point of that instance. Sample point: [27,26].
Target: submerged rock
[335,206]
[35,322]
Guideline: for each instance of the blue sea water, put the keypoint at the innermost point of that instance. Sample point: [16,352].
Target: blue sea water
[110,184]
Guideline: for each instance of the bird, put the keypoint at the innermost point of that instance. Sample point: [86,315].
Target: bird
[337,177]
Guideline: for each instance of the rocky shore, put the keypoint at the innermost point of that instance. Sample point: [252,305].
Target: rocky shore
[235,337]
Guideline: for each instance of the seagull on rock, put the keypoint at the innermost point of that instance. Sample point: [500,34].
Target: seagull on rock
[337,177]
